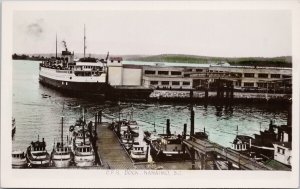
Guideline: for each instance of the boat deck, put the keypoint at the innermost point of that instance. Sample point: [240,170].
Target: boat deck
[111,153]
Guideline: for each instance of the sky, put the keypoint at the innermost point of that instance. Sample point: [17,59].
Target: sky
[225,33]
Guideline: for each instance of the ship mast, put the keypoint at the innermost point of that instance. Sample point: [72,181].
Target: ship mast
[84,38]
[62,124]
[56,46]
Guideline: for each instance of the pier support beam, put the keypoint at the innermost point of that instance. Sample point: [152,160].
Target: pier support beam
[96,117]
[168,127]
[192,122]
[231,91]
[184,137]
[100,116]
[192,151]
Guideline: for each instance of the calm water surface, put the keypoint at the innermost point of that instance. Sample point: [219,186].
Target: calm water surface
[36,115]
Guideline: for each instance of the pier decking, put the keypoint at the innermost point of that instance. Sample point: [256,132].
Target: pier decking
[110,151]
[205,146]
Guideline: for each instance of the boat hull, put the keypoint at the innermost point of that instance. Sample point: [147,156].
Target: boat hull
[20,163]
[84,161]
[39,163]
[61,162]
[160,155]
[74,87]
[138,157]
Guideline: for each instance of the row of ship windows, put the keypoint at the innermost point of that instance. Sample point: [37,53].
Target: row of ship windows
[168,83]
[260,75]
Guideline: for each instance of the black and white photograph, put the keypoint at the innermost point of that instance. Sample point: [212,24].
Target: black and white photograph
[136,90]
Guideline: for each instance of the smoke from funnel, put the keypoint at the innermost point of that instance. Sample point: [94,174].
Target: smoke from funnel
[65,45]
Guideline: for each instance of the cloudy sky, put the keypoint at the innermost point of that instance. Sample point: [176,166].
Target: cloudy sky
[209,33]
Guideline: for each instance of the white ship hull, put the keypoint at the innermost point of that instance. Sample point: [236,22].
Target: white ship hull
[19,163]
[84,161]
[138,156]
[61,162]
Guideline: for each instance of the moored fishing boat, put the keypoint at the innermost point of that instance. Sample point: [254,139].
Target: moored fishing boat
[84,156]
[127,140]
[18,159]
[167,146]
[37,154]
[138,152]
[61,155]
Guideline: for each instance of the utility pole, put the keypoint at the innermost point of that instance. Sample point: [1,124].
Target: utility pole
[84,38]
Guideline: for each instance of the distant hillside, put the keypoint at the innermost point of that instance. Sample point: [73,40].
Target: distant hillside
[283,61]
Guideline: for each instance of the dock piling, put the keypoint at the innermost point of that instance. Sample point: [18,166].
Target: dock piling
[168,127]
[96,122]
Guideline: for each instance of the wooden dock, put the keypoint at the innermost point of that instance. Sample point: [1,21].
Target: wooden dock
[203,147]
[111,153]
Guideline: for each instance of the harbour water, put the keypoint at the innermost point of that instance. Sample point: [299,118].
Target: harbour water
[36,114]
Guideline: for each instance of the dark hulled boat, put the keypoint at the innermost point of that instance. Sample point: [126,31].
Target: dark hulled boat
[37,154]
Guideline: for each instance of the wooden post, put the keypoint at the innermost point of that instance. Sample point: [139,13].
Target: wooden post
[100,116]
[192,122]
[147,152]
[184,137]
[184,131]
[62,130]
[218,88]
[193,157]
[96,117]
[231,91]
[168,127]
[227,90]
[206,93]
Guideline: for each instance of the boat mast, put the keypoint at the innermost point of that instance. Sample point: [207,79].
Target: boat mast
[62,123]
[83,123]
[56,46]
[84,47]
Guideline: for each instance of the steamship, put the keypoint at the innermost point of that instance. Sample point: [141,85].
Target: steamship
[84,76]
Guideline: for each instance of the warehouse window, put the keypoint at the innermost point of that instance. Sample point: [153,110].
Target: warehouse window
[263,75]
[163,73]
[185,83]
[248,74]
[165,82]
[150,72]
[153,82]
[175,83]
[275,75]
[247,84]
[286,76]
[175,73]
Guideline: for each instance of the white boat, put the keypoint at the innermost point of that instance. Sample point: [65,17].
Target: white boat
[18,159]
[82,138]
[84,156]
[133,126]
[138,152]
[85,76]
[61,155]
[127,140]
[37,154]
